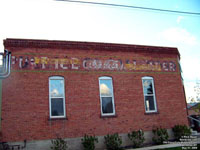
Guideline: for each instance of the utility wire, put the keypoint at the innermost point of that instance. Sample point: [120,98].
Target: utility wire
[129,6]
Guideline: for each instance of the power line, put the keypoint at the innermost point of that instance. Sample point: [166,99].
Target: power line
[129,6]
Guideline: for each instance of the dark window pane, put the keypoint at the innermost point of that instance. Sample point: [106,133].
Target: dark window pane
[57,107]
[148,89]
[149,103]
[107,106]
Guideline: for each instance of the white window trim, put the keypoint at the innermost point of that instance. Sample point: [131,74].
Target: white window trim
[57,78]
[154,96]
[113,102]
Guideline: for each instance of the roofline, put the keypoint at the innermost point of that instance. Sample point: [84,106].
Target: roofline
[32,43]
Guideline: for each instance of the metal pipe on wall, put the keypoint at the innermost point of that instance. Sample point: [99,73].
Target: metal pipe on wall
[6,66]
[5,72]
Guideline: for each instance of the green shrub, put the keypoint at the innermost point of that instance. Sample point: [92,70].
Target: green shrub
[137,137]
[89,142]
[180,130]
[59,144]
[160,135]
[113,142]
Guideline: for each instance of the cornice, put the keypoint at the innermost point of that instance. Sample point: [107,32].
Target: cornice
[31,43]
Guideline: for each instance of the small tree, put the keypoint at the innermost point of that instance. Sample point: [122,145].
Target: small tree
[160,135]
[89,142]
[137,138]
[180,130]
[197,90]
[113,142]
[59,144]
[196,98]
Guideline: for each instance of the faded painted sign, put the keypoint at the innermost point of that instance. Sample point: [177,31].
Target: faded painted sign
[45,63]
[77,63]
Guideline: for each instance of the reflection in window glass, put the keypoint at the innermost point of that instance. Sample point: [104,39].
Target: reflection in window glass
[56,88]
[106,96]
[147,86]
[56,97]
[149,94]
[149,101]
[105,87]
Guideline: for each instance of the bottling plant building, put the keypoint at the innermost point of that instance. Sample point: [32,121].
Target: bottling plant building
[68,89]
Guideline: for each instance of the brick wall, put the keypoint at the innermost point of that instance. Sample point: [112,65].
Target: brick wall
[25,93]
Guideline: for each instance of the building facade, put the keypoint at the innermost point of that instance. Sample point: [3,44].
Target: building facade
[68,89]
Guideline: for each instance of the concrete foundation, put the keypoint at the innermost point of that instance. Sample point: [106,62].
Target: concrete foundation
[75,143]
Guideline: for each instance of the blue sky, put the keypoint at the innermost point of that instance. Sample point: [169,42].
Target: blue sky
[56,20]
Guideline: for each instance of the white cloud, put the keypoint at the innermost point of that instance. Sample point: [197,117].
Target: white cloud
[179,35]
[46,19]
[178,20]
[190,92]
[190,67]
[104,89]
[54,92]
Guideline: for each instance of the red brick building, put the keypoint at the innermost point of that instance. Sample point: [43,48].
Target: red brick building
[68,89]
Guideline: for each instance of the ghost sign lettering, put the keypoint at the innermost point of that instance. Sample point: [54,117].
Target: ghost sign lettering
[77,63]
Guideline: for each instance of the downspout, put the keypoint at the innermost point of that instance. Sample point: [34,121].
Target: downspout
[0,101]
[7,65]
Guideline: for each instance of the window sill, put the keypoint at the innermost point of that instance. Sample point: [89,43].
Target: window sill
[151,113]
[110,116]
[54,119]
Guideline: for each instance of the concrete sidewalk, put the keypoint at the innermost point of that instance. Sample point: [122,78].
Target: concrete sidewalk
[157,147]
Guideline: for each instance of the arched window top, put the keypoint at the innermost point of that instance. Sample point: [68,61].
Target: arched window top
[56,78]
[147,77]
[105,78]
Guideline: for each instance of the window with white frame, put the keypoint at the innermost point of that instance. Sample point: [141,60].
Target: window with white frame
[56,97]
[106,96]
[149,94]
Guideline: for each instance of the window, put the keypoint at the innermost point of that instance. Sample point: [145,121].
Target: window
[106,96]
[56,97]
[149,94]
